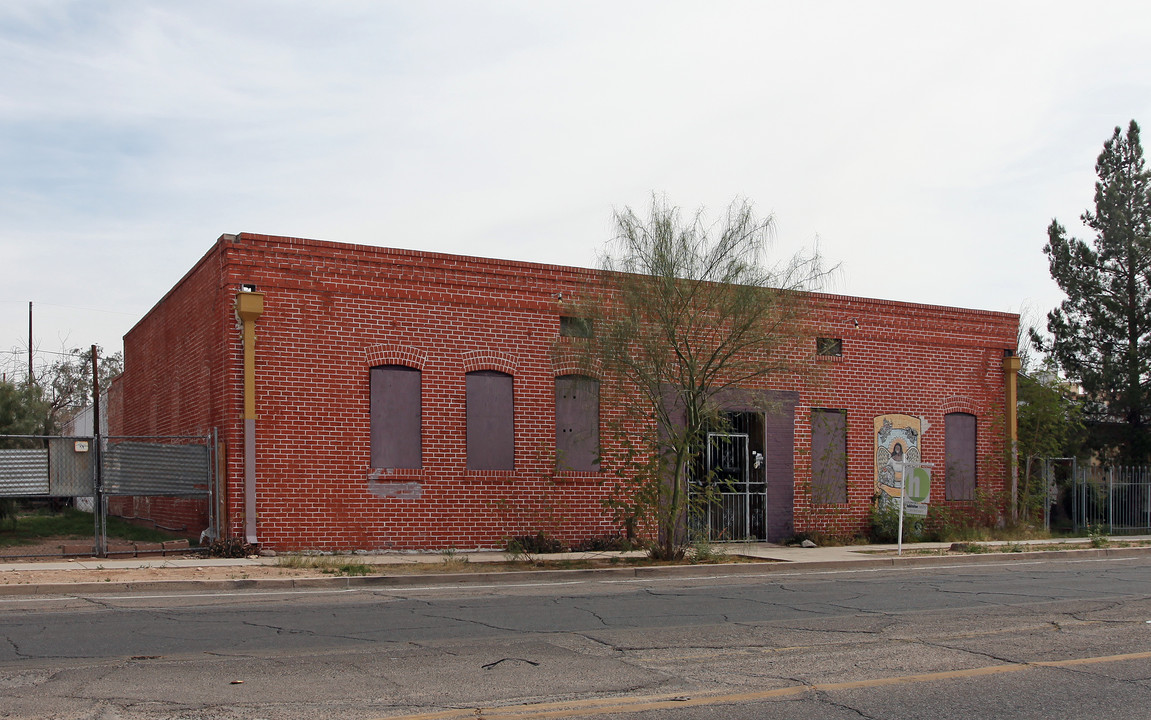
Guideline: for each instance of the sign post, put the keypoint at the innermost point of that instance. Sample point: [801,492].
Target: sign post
[914,493]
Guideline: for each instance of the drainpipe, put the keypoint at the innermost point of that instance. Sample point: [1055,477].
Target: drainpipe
[249,307]
[1011,364]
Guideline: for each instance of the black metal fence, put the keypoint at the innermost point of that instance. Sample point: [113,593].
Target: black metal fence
[1116,500]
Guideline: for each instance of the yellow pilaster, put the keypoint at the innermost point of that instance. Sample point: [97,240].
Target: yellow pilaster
[249,307]
[1011,365]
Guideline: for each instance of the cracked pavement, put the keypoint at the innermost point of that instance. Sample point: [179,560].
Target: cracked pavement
[1048,639]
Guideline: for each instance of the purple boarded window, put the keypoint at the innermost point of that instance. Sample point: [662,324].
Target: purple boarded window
[396,411]
[828,456]
[959,429]
[491,421]
[577,423]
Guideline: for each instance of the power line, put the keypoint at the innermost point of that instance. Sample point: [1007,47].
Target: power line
[74,307]
[40,352]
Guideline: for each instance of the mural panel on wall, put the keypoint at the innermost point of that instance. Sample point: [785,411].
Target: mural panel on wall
[896,441]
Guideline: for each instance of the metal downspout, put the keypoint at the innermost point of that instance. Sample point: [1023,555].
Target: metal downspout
[249,307]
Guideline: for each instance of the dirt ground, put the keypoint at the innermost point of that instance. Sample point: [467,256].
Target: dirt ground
[49,552]
[153,567]
[33,577]
[92,572]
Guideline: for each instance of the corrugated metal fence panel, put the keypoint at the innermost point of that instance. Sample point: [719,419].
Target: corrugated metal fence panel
[23,472]
[137,468]
[73,462]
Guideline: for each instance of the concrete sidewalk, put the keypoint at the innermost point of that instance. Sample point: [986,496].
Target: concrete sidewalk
[793,557]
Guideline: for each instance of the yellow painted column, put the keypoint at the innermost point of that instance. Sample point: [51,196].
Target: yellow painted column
[1011,365]
[249,307]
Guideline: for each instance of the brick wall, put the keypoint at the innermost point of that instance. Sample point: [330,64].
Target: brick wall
[334,310]
[174,382]
[911,359]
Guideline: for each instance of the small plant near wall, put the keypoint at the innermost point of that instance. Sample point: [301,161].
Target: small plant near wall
[885,524]
[703,551]
[449,556]
[7,514]
[230,548]
[526,547]
[1097,536]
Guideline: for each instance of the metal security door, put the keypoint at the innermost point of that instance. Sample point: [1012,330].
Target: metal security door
[729,484]
[728,465]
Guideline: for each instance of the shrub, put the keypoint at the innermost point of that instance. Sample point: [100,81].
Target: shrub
[7,514]
[885,524]
[609,543]
[230,548]
[534,544]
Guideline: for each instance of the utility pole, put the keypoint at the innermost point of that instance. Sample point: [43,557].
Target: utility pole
[30,378]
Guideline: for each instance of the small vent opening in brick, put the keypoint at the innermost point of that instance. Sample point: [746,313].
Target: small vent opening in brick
[829,347]
[575,327]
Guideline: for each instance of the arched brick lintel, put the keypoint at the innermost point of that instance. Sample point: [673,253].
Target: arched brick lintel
[958,403]
[489,360]
[576,365]
[392,354]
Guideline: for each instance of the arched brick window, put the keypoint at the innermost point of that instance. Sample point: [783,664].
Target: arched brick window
[396,414]
[959,431]
[491,421]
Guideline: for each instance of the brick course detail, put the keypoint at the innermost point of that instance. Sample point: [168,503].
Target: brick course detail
[332,311]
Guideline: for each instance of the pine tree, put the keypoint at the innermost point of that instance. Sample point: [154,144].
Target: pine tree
[1101,334]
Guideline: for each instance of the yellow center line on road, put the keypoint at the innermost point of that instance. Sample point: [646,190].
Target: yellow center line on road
[645,703]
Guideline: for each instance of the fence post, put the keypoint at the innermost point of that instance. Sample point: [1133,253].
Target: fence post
[1075,500]
[1110,499]
[1046,493]
[98,484]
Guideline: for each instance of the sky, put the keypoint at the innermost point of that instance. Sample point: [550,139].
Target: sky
[923,148]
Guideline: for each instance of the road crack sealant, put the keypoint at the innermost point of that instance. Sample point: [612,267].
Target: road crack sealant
[825,699]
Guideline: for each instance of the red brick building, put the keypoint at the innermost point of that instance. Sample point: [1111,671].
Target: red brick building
[409,400]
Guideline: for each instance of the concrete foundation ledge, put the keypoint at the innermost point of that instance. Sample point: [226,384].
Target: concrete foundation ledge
[145,549]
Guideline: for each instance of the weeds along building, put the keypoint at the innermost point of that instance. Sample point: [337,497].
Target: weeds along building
[373,398]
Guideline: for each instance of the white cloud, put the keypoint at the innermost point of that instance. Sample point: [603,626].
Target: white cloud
[927,147]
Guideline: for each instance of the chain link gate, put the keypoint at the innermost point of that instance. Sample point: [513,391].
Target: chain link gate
[92,472]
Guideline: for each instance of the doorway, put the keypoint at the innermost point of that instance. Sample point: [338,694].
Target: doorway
[729,488]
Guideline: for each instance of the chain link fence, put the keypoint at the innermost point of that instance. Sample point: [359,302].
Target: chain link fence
[167,481]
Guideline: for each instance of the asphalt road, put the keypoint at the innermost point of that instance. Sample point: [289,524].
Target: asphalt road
[1037,639]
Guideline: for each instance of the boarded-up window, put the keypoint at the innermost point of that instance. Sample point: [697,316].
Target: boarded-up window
[577,423]
[828,456]
[395,417]
[491,421]
[960,438]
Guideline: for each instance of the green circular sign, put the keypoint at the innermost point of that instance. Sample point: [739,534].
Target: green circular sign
[919,485]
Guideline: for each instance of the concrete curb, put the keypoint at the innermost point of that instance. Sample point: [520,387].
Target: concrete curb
[518,577]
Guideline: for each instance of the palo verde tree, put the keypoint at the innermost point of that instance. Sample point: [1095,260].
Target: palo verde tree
[688,310]
[1101,333]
